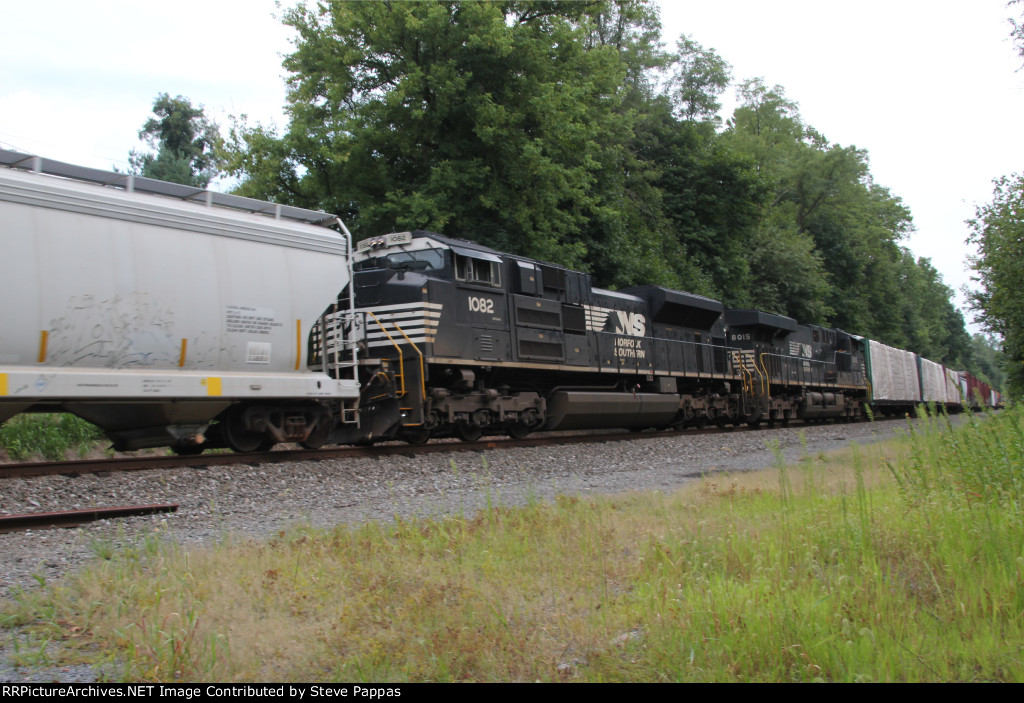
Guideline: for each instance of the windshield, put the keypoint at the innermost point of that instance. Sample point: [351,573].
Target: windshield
[422,260]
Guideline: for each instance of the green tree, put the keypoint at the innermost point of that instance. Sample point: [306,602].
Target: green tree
[933,326]
[536,127]
[711,199]
[824,211]
[789,276]
[699,79]
[766,125]
[504,122]
[986,361]
[998,232]
[185,140]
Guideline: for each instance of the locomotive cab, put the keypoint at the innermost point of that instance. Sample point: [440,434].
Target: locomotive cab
[436,313]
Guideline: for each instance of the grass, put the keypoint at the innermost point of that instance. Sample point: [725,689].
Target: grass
[51,436]
[895,562]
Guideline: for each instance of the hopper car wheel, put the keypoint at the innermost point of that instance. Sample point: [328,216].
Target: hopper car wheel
[317,437]
[467,432]
[240,439]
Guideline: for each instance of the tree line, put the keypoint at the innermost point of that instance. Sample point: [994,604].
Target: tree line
[997,230]
[565,131]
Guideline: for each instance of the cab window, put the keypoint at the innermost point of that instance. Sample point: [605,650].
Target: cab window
[423,260]
[472,270]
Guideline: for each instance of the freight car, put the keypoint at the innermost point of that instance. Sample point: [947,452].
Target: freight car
[152,309]
[899,380]
[174,316]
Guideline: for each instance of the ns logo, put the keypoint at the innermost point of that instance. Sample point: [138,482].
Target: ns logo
[631,323]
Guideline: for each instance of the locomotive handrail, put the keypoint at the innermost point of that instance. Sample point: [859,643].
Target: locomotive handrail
[745,375]
[787,359]
[765,376]
[423,373]
[753,382]
[380,374]
[748,382]
[401,360]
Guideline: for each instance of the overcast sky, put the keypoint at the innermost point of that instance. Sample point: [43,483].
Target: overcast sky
[929,89]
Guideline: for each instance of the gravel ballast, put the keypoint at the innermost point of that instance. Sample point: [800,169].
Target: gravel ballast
[259,501]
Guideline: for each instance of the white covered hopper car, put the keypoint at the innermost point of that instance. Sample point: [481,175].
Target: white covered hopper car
[153,309]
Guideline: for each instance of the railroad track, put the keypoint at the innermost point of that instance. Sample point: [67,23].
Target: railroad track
[137,463]
[74,518]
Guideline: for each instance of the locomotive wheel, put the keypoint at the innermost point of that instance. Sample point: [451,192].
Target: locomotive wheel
[240,439]
[517,430]
[416,435]
[467,432]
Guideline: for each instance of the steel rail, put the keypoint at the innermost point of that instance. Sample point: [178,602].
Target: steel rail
[74,518]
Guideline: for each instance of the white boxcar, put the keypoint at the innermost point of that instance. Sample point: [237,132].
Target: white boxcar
[151,314]
[933,381]
[952,387]
[893,375]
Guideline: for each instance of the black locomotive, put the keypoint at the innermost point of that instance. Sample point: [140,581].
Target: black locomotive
[461,340]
